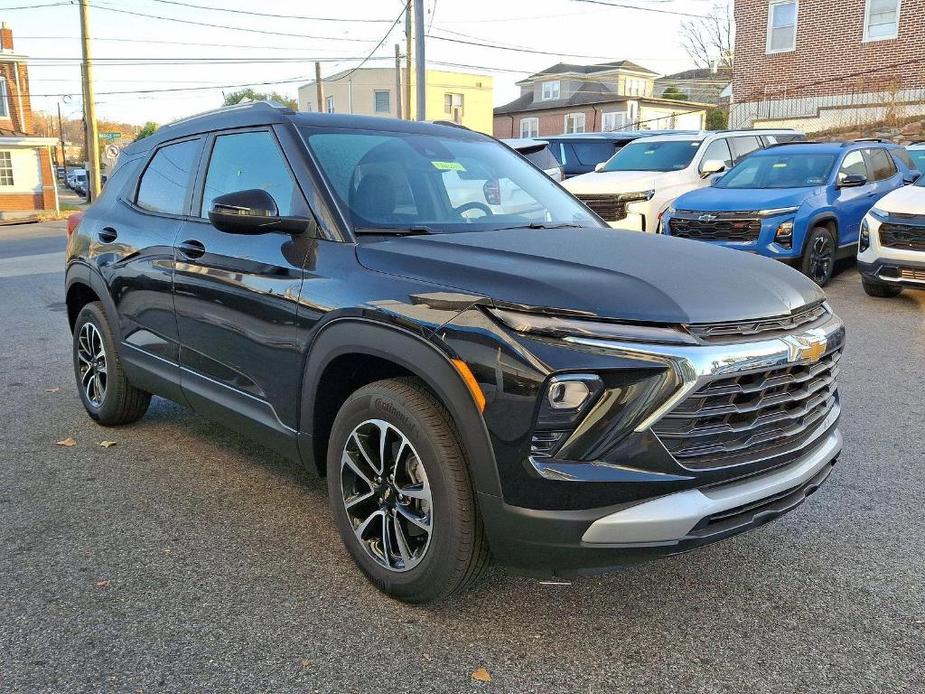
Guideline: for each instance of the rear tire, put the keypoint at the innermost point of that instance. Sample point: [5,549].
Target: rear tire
[400,493]
[879,289]
[818,260]
[102,385]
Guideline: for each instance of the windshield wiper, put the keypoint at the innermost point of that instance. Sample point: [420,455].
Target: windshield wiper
[412,230]
[543,225]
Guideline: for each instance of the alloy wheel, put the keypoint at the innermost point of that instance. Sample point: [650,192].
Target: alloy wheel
[91,363]
[820,260]
[387,495]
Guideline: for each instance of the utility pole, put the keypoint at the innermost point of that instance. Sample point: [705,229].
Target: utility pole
[319,87]
[398,81]
[93,137]
[61,137]
[408,59]
[420,65]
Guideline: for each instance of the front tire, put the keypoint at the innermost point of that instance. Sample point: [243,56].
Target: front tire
[400,493]
[102,385]
[879,289]
[818,260]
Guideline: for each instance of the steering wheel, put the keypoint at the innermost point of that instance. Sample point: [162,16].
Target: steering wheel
[466,206]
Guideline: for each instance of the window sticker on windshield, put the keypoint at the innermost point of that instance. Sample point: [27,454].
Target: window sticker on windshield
[779,165]
[448,166]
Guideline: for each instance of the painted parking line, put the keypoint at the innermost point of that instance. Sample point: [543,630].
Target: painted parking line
[32,264]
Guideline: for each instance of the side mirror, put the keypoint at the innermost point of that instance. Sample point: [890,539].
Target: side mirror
[712,166]
[852,181]
[599,165]
[911,177]
[252,211]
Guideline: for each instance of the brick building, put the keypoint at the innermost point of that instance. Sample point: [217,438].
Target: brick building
[821,64]
[27,179]
[567,98]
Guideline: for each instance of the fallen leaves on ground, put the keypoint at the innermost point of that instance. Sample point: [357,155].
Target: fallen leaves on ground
[107,444]
[52,390]
[66,443]
[102,584]
[306,663]
[480,674]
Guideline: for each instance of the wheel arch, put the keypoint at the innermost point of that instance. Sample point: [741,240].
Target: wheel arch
[351,352]
[825,219]
[82,285]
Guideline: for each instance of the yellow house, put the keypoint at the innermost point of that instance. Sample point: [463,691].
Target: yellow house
[455,96]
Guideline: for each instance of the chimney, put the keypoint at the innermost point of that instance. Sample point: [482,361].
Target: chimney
[6,37]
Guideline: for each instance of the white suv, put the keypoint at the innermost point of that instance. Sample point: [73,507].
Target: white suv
[633,188]
[891,246]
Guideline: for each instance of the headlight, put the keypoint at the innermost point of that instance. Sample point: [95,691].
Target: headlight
[774,212]
[641,196]
[784,234]
[864,236]
[562,326]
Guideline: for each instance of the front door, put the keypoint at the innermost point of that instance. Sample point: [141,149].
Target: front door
[236,295]
[853,202]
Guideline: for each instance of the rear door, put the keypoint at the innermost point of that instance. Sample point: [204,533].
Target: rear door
[237,295]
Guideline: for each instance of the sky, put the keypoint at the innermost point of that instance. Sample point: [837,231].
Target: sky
[133,53]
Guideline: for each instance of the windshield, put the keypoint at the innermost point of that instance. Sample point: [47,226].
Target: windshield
[661,155]
[785,170]
[918,157]
[396,180]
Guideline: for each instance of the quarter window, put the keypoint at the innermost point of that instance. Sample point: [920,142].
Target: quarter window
[6,169]
[718,149]
[165,182]
[881,165]
[881,19]
[382,98]
[574,123]
[529,127]
[549,91]
[244,161]
[782,26]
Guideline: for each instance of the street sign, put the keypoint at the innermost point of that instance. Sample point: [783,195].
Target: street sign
[109,137]
[112,152]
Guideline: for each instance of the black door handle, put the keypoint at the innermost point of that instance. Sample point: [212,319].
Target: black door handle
[107,234]
[192,249]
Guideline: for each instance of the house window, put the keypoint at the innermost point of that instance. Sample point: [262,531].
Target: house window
[529,127]
[615,120]
[453,104]
[6,169]
[329,105]
[383,104]
[782,26]
[550,91]
[574,123]
[881,19]
[4,99]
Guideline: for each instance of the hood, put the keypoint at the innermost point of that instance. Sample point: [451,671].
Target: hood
[714,199]
[612,182]
[622,275]
[905,200]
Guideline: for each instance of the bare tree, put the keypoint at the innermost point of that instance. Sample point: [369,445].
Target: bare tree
[710,40]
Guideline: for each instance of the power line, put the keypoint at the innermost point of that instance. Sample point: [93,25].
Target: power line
[271,14]
[34,7]
[518,50]
[376,48]
[624,6]
[171,43]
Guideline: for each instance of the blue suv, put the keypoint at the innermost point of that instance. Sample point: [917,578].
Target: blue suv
[801,202]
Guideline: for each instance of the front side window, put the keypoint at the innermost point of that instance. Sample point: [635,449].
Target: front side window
[550,90]
[394,180]
[166,180]
[717,150]
[6,169]
[782,26]
[574,123]
[881,19]
[529,127]
[329,104]
[244,161]
[383,101]
[881,165]
[784,170]
[663,155]
[852,165]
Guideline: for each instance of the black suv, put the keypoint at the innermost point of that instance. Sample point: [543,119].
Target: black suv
[479,366]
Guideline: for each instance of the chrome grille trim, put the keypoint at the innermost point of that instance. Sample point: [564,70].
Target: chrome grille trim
[718,331]
[907,237]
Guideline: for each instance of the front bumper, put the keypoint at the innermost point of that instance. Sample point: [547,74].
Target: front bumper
[765,244]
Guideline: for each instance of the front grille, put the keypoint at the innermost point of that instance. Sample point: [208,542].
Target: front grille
[718,226]
[738,419]
[908,237]
[609,207]
[717,332]
[908,273]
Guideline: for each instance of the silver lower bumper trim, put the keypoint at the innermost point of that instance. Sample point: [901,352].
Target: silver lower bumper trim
[669,519]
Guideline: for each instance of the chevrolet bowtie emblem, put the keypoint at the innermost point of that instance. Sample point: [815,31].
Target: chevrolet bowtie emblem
[707,218]
[809,347]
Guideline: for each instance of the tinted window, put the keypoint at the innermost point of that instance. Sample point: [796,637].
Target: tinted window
[918,157]
[165,182]
[881,165]
[782,170]
[661,155]
[245,161]
[853,165]
[902,155]
[743,146]
[542,158]
[592,153]
[718,149]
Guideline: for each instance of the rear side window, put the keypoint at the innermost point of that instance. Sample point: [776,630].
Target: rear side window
[244,161]
[881,165]
[542,158]
[743,146]
[165,182]
[592,153]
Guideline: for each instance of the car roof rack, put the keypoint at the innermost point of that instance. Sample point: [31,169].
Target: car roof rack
[246,106]
[795,142]
[756,130]
[451,124]
[865,139]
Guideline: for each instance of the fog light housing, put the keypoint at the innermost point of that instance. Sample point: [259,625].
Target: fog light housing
[567,399]
[784,234]
[567,394]
[864,237]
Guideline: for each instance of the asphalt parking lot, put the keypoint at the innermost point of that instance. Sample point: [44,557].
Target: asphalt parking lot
[186,558]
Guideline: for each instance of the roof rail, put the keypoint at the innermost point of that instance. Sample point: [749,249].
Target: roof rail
[917,142]
[272,105]
[795,142]
[451,124]
[757,130]
[866,139]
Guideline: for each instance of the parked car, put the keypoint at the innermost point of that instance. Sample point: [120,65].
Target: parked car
[917,152]
[80,184]
[801,203]
[73,175]
[533,388]
[537,153]
[635,186]
[891,247]
[579,153]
